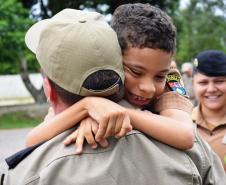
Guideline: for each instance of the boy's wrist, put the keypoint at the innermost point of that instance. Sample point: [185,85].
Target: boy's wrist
[83,106]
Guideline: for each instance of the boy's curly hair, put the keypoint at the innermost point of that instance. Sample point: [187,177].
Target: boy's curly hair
[142,25]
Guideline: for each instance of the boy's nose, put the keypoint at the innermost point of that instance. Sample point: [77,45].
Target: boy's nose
[147,88]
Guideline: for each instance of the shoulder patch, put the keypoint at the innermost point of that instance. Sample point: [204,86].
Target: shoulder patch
[173,81]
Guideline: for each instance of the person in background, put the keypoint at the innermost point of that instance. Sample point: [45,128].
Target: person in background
[186,70]
[173,64]
[210,91]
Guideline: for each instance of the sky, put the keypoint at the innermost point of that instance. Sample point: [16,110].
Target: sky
[183,3]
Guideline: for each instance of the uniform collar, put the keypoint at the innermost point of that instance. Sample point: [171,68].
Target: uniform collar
[198,118]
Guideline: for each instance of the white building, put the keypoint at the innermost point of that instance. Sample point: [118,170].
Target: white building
[13,90]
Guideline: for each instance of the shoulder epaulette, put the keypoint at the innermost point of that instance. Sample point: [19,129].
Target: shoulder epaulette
[13,160]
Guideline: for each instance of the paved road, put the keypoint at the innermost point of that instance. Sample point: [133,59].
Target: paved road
[11,141]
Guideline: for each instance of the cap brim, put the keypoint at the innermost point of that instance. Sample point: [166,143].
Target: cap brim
[33,35]
[103,93]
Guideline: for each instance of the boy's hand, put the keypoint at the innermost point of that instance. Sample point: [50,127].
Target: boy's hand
[112,119]
[87,128]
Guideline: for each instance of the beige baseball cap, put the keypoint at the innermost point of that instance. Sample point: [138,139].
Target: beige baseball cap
[74,44]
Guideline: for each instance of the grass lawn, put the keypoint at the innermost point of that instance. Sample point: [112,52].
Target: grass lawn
[18,120]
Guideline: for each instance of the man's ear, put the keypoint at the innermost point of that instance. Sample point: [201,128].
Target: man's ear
[49,90]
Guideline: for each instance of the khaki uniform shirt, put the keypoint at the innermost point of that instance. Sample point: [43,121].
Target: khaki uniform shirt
[172,100]
[134,160]
[214,134]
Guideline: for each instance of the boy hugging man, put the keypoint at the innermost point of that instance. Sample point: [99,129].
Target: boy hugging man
[73,47]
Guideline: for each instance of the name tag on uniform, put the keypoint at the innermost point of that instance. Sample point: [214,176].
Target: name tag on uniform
[224,139]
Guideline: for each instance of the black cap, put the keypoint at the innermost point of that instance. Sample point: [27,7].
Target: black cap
[210,63]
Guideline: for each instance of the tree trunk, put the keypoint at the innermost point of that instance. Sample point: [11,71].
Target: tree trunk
[37,94]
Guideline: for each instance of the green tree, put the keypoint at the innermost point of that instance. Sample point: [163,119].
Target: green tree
[13,23]
[201,28]
[14,57]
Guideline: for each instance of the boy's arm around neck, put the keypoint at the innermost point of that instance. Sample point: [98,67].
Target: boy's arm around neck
[173,127]
[50,128]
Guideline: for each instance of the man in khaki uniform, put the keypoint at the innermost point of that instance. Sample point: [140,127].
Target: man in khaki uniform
[210,89]
[134,159]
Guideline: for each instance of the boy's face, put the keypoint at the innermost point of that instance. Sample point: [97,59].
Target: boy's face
[145,74]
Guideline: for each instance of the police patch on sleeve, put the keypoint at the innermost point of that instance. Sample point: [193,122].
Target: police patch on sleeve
[173,81]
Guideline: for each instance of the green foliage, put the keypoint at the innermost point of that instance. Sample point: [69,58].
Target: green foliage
[200,29]
[18,120]
[14,22]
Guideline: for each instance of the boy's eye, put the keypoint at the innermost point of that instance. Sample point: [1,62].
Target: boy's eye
[135,72]
[132,71]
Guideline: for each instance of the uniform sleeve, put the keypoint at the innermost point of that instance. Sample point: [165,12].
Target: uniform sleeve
[175,96]
[172,100]
[207,162]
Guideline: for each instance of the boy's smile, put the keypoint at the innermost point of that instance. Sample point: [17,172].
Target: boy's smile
[145,74]
[137,100]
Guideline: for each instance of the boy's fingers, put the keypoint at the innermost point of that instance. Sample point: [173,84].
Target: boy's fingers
[123,132]
[119,123]
[71,138]
[79,142]
[88,134]
[102,128]
[94,127]
[103,143]
[126,123]
[111,125]
[67,141]
[126,127]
